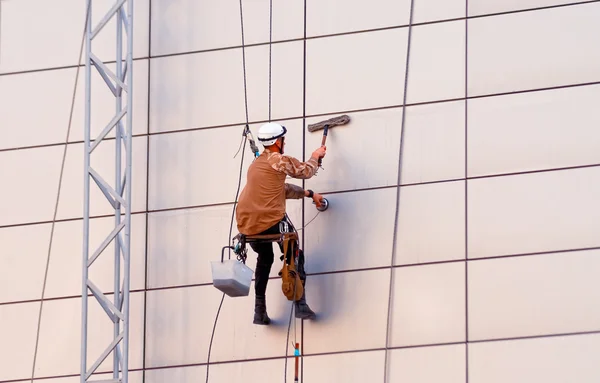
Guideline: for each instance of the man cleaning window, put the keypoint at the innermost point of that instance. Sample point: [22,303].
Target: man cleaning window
[262,207]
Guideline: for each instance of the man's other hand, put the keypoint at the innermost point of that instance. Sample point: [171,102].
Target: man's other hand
[317,199]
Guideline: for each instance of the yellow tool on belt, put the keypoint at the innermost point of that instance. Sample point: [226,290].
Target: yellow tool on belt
[290,279]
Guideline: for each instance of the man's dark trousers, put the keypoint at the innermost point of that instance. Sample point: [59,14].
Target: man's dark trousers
[266,258]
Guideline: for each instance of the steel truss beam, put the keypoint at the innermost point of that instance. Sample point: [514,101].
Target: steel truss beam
[117,195]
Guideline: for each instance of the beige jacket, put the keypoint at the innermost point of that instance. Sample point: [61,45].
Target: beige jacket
[261,203]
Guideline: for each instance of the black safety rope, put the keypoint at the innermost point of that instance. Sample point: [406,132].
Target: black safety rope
[230,233]
[395,235]
[245,135]
[287,339]
[244,61]
[270,50]
[60,180]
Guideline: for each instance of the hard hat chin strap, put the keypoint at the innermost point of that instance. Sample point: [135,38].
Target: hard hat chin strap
[280,147]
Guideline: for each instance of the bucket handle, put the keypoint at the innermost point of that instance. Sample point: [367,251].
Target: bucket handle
[223,251]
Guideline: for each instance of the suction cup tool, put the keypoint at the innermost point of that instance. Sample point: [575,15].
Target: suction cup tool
[324,205]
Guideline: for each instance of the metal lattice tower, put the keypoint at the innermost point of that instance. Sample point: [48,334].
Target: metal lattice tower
[117,195]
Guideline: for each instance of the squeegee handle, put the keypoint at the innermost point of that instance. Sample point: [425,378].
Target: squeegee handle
[325,129]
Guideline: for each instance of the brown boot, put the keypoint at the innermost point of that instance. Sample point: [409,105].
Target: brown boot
[303,311]
[260,311]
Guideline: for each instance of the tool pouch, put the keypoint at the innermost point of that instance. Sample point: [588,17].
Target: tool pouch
[291,285]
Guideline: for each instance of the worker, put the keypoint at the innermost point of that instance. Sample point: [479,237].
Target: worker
[262,207]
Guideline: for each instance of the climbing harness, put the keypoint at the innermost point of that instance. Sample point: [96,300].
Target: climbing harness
[237,283]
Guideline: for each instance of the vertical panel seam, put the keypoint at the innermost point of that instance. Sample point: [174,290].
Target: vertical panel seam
[147,218]
[1,33]
[303,180]
[466,239]
[57,202]
[396,217]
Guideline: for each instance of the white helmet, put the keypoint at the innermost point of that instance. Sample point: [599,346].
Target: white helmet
[270,132]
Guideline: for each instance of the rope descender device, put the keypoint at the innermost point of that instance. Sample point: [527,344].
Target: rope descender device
[253,147]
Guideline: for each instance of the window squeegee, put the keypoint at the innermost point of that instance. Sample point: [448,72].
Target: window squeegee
[325,125]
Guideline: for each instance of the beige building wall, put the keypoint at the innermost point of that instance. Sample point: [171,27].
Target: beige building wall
[481,267]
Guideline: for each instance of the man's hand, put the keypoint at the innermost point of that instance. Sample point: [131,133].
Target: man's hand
[317,199]
[320,152]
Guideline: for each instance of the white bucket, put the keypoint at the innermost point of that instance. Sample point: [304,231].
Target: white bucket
[232,277]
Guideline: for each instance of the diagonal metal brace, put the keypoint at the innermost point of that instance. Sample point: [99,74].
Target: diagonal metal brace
[124,248]
[106,242]
[125,19]
[106,79]
[99,65]
[107,190]
[104,355]
[123,184]
[124,74]
[109,15]
[108,306]
[116,119]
